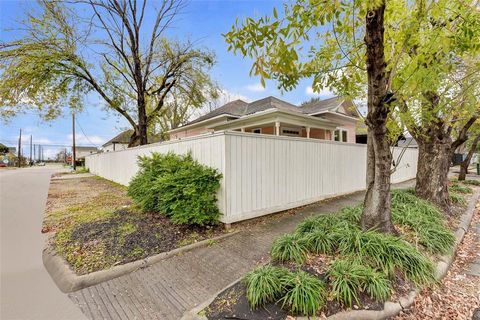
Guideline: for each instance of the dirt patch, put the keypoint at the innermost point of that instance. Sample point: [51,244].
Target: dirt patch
[96,226]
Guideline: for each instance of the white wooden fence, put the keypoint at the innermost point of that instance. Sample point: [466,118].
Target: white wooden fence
[262,174]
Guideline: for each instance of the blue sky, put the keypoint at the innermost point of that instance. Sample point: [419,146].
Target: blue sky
[203,22]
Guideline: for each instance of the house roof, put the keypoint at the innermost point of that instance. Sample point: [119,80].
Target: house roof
[240,108]
[122,137]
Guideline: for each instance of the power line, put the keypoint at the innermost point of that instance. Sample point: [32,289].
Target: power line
[86,137]
[12,142]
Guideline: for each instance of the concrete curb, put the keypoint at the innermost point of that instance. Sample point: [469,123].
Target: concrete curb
[391,308]
[68,281]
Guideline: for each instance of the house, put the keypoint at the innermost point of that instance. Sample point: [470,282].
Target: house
[122,140]
[119,142]
[331,119]
[82,152]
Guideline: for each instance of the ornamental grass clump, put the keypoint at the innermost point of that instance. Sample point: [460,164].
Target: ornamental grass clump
[349,277]
[471,182]
[178,187]
[424,219]
[305,294]
[265,284]
[289,247]
[389,253]
[460,189]
[457,198]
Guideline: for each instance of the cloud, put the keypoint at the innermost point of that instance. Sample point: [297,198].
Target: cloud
[257,87]
[324,93]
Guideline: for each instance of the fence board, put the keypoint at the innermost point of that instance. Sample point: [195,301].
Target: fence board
[263,173]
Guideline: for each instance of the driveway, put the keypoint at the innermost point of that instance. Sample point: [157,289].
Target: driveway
[26,289]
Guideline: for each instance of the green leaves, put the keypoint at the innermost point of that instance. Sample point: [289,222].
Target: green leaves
[178,187]
[349,277]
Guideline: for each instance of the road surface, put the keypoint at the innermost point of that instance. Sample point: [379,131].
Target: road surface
[27,291]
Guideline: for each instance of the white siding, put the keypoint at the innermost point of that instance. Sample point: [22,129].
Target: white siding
[263,173]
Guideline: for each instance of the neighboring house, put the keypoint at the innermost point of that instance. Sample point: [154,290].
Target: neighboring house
[82,152]
[331,119]
[119,142]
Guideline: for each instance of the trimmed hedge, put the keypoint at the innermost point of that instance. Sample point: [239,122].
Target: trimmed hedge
[178,187]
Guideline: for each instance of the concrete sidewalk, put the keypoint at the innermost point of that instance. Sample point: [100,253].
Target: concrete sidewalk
[169,288]
[26,289]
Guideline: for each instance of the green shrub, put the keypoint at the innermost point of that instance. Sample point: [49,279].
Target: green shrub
[349,277]
[471,182]
[457,198]
[289,247]
[265,284]
[305,294]
[177,186]
[460,189]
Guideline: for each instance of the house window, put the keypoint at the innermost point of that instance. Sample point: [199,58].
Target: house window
[340,135]
[290,132]
[257,130]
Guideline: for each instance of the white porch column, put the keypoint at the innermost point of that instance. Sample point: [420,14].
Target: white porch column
[242,129]
[277,128]
[308,132]
[332,135]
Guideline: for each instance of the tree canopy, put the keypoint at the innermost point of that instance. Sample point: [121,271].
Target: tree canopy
[112,51]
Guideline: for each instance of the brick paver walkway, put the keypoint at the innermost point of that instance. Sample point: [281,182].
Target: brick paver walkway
[170,287]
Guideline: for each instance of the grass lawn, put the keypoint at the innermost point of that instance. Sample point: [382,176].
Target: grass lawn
[96,225]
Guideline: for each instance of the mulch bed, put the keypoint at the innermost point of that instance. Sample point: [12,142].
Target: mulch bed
[232,302]
[96,226]
[150,234]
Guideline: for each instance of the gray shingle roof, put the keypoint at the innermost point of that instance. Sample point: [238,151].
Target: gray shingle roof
[122,137]
[322,105]
[240,108]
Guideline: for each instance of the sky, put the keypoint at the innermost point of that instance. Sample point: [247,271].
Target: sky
[202,22]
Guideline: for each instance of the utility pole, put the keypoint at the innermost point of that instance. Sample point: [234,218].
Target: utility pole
[31,159]
[73,148]
[19,153]
[34,152]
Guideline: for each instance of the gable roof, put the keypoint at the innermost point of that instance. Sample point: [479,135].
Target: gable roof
[240,108]
[122,137]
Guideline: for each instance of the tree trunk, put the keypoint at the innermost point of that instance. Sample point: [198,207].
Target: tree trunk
[140,136]
[465,163]
[434,156]
[377,204]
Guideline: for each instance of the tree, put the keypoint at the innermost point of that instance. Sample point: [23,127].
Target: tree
[115,53]
[436,85]
[466,162]
[339,61]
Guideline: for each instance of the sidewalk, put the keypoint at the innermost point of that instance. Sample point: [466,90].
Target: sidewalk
[169,288]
